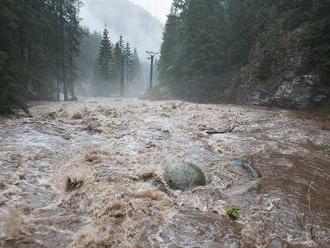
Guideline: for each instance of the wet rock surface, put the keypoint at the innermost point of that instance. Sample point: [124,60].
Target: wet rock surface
[244,168]
[117,196]
[290,84]
[184,176]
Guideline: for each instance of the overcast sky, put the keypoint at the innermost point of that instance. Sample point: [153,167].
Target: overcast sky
[130,19]
[158,8]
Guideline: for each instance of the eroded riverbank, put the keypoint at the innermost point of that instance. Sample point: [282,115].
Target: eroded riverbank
[89,174]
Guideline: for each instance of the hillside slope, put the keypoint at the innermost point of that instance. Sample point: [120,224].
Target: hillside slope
[256,52]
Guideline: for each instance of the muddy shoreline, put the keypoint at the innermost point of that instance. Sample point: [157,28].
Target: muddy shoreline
[113,151]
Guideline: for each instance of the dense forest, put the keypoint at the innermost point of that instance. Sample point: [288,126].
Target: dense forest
[116,66]
[39,44]
[47,55]
[224,50]
[242,51]
[106,68]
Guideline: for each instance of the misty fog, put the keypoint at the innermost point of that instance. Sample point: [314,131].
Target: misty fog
[123,17]
[138,22]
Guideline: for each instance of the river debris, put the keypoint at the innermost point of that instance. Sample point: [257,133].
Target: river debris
[94,155]
[52,115]
[73,184]
[93,127]
[77,116]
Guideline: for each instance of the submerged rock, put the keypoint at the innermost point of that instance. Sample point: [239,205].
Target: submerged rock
[184,176]
[243,168]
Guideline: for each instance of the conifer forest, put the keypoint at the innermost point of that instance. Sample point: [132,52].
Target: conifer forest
[164,123]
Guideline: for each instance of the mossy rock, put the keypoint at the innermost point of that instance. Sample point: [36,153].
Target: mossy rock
[184,176]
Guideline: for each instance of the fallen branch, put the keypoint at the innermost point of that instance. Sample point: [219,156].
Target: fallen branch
[230,130]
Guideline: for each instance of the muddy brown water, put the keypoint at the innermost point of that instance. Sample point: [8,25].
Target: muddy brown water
[113,152]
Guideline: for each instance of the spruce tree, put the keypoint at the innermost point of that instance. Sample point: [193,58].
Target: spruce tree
[171,46]
[122,66]
[74,36]
[136,67]
[119,64]
[105,56]
[103,65]
[128,62]
[118,57]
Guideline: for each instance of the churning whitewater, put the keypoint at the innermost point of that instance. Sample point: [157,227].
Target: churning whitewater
[91,174]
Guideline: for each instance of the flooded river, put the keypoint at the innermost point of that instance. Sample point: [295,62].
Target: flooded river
[90,174]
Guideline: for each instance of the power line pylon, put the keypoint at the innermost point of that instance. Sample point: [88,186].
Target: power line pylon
[152,57]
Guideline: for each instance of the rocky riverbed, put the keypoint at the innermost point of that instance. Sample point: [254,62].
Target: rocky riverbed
[90,174]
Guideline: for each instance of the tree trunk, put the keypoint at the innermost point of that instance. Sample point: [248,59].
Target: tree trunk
[58,90]
[122,78]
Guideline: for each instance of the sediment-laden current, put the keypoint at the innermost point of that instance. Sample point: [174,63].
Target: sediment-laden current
[90,174]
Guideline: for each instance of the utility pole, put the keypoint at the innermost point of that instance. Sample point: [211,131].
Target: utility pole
[152,57]
[58,97]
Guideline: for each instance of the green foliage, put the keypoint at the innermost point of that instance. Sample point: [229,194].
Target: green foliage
[117,60]
[105,57]
[12,94]
[194,48]
[115,65]
[39,42]
[136,70]
[206,41]
[327,148]
[233,213]
[263,69]
[86,61]
[128,62]
[67,136]
[104,63]
[317,35]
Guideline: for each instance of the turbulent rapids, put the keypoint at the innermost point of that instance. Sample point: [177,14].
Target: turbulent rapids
[90,174]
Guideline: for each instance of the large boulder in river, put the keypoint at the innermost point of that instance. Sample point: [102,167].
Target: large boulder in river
[184,176]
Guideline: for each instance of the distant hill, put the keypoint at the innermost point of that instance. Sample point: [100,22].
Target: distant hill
[126,18]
